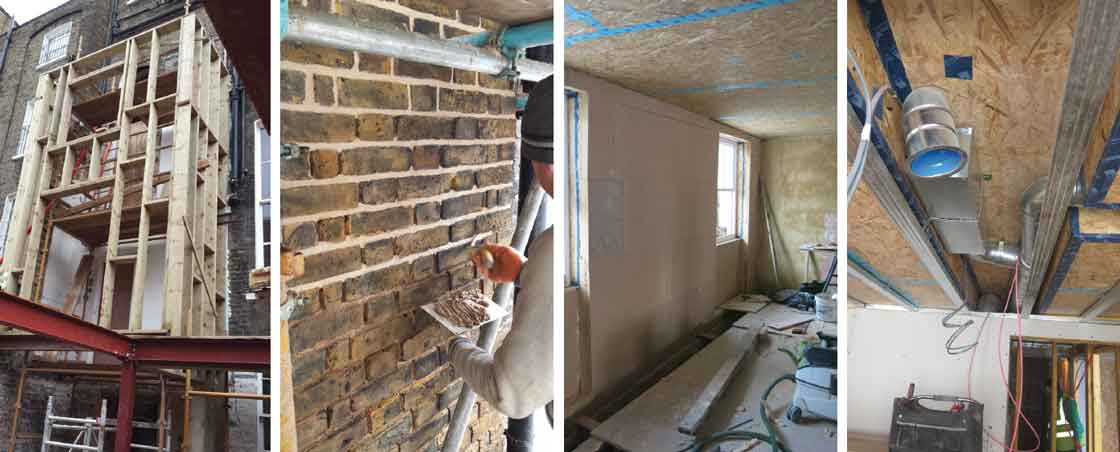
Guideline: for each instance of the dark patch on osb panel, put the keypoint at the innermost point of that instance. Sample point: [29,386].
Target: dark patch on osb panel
[782,43]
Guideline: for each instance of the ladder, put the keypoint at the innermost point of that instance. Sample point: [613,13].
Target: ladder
[90,428]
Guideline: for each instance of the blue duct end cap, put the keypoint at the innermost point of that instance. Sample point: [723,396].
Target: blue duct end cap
[937,162]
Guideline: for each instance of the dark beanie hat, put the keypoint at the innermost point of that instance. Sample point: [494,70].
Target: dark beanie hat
[536,123]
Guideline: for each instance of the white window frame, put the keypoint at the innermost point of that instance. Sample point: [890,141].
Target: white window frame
[25,128]
[56,43]
[264,418]
[737,189]
[575,193]
[261,205]
[6,220]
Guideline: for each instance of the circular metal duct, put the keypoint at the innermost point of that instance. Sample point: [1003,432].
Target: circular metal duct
[933,148]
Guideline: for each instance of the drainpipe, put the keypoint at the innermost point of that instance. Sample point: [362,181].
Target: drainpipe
[340,33]
[237,141]
[1031,207]
[489,334]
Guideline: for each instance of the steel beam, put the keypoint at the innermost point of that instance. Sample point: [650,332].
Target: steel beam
[228,353]
[40,319]
[126,402]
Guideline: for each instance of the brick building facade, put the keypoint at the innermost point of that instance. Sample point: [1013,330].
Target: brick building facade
[405,165]
[79,27]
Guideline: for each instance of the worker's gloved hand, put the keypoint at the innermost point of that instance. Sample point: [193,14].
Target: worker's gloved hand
[502,265]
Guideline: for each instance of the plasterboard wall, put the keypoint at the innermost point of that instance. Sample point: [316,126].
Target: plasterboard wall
[889,349]
[653,259]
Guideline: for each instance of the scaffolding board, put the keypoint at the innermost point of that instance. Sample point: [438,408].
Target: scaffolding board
[129,146]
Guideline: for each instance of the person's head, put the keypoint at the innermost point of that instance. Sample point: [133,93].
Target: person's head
[536,133]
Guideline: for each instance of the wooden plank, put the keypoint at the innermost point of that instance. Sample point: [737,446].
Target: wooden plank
[26,189]
[649,423]
[748,303]
[1091,67]
[713,391]
[139,277]
[81,276]
[776,316]
[178,270]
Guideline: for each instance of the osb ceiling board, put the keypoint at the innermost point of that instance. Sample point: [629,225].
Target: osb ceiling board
[1020,53]
[765,67]
[509,12]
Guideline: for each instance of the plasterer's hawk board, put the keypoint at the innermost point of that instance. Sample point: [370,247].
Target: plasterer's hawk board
[763,66]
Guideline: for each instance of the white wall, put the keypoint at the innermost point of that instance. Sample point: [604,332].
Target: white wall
[889,349]
[153,287]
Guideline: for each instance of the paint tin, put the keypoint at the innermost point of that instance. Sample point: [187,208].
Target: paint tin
[826,308]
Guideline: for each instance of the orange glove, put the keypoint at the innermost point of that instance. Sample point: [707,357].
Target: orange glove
[505,265]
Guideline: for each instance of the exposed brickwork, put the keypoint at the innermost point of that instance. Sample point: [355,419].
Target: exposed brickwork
[404,161]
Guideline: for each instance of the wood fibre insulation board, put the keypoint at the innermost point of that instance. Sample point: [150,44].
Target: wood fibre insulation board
[1084,265]
[1102,188]
[767,69]
[649,423]
[871,233]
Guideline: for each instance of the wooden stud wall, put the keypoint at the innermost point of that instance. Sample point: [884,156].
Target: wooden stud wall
[98,123]
[1084,265]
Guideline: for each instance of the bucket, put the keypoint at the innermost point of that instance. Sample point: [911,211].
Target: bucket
[826,308]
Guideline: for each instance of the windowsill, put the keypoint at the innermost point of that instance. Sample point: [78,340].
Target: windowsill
[17,157]
[727,240]
[48,63]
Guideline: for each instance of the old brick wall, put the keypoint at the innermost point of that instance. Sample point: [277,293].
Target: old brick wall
[407,164]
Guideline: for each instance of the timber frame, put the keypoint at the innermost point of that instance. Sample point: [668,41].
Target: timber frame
[128,145]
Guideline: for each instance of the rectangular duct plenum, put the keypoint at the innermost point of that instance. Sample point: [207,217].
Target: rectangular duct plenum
[953,202]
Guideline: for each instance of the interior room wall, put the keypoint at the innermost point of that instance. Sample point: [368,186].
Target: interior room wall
[888,349]
[654,268]
[799,177]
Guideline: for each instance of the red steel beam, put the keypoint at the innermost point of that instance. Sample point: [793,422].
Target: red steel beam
[237,353]
[41,319]
[125,404]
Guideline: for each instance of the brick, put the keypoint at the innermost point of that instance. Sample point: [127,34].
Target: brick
[453,257]
[426,27]
[372,94]
[324,90]
[368,13]
[356,162]
[308,309]
[450,32]
[423,267]
[425,365]
[502,152]
[316,127]
[331,293]
[462,77]
[393,434]
[463,155]
[300,236]
[492,82]
[471,19]
[312,426]
[425,433]
[494,221]
[492,198]
[298,201]
[308,366]
[332,229]
[387,412]
[292,87]
[382,389]
[433,7]
[494,104]
[323,163]
[375,127]
[426,157]
[496,175]
[375,282]
[449,395]
[421,70]
[314,54]
[380,221]
[295,168]
[376,339]
[428,212]
[462,276]
[497,128]
[324,265]
[377,64]
[424,292]
[466,128]
[463,180]
[462,230]
[421,241]
[421,186]
[317,396]
[423,98]
[347,436]
[381,309]
[379,191]
[374,253]
[424,127]
[338,354]
[382,363]
[340,414]
[325,325]
[462,101]
[425,410]
[457,207]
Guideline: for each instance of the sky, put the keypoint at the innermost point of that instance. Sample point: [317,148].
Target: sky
[25,10]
